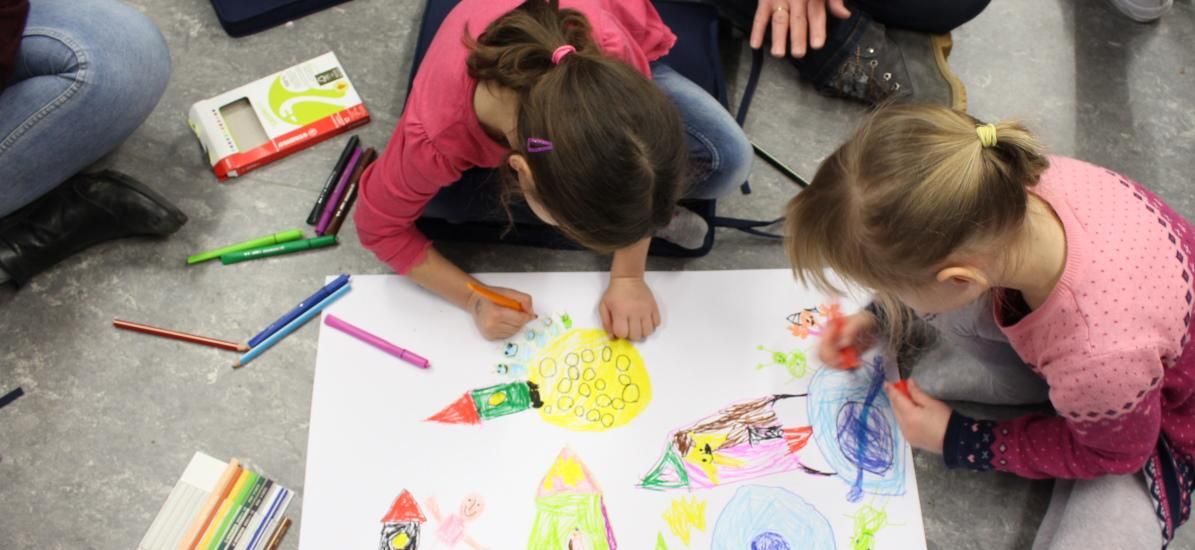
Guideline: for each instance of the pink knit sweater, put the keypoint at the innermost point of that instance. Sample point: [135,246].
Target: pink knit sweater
[1112,341]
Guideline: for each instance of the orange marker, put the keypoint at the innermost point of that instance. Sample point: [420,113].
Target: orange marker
[498,299]
[903,386]
[848,356]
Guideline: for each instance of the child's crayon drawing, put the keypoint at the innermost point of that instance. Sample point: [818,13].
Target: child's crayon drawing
[570,512]
[741,442]
[453,528]
[400,526]
[856,431]
[794,362]
[683,516]
[585,381]
[771,518]
[868,521]
[810,321]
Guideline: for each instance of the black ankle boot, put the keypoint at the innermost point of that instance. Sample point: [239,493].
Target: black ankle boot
[88,209]
[877,64]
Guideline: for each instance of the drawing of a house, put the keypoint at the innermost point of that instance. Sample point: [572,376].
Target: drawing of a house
[400,526]
[570,510]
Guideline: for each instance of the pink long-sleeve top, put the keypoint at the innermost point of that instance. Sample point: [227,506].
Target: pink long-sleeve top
[1112,341]
[439,136]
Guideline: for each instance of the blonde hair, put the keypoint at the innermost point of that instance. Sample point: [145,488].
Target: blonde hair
[913,186]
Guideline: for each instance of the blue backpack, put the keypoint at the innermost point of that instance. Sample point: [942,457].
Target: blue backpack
[244,17]
[696,56]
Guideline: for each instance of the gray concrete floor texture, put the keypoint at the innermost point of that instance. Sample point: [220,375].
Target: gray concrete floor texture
[110,419]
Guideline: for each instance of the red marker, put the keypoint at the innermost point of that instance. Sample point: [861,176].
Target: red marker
[848,357]
[903,386]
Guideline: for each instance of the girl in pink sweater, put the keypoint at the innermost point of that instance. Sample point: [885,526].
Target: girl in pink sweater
[594,133]
[1043,268]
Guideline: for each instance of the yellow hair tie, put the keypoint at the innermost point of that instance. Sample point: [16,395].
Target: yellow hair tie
[987,135]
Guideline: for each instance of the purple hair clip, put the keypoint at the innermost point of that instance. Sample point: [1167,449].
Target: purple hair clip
[537,145]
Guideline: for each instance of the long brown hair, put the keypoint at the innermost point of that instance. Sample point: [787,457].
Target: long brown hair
[913,186]
[619,157]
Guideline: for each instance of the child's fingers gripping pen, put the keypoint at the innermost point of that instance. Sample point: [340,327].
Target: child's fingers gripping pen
[848,356]
[496,298]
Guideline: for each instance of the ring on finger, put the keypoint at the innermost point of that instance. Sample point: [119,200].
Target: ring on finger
[779,9]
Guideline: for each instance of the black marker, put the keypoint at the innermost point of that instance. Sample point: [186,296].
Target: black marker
[334,177]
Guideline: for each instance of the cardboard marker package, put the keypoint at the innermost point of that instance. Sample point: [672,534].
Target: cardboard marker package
[275,116]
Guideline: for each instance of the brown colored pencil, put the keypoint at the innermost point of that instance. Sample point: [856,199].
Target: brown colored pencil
[350,192]
[280,532]
[192,338]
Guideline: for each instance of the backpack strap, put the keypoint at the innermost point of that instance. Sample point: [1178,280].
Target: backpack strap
[757,58]
[752,227]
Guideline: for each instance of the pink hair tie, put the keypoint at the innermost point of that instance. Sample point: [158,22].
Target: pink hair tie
[560,52]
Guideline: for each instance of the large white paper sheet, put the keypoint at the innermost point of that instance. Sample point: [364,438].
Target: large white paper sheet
[727,337]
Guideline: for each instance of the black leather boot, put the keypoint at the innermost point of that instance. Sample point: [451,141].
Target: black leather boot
[88,209]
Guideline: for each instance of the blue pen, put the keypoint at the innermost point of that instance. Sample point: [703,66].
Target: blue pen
[299,309]
[291,326]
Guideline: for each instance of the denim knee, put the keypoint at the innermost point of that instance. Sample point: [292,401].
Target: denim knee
[134,63]
[731,163]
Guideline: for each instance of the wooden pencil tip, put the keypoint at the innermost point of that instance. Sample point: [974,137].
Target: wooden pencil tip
[237,365]
[242,348]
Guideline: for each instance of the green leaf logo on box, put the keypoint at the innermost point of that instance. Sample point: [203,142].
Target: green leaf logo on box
[303,108]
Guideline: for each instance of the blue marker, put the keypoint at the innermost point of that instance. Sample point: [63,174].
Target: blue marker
[291,327]
[299,309]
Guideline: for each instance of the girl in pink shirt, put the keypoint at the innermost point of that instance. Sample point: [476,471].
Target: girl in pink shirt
[1043,268]
[594,134]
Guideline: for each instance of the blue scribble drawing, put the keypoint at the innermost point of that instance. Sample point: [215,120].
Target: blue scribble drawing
[854,427]
[519,350]
[770,518]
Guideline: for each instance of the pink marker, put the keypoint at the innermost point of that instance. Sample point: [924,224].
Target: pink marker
[406,355]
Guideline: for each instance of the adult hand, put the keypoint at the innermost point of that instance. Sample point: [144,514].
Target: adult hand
[629,309]
[858,331]
[800,22]
[496,322]
[922,419]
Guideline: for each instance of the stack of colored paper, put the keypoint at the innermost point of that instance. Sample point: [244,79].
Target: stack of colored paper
[218,506]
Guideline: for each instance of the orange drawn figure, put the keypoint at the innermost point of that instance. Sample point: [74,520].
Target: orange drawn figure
[804,323]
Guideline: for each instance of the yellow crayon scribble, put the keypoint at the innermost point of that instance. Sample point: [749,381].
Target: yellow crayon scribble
[683,516]
[566,469]
[704,454]
[588,382]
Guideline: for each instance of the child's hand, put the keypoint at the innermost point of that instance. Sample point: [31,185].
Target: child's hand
[628,309]
[858,331]
[496,322]
[922,418]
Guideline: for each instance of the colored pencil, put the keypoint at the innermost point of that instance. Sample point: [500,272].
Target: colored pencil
[778,165]
[174,334]
[375,341]
[334,200]
[260,533]
[350,193]
[281,237]
[226,508]
[333,178]
[498,299]
[275,250]
[291,327]
[208,511]
[279,533]
[299,309]
[245,512]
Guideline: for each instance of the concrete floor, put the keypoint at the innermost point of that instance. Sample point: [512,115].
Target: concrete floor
[110,419]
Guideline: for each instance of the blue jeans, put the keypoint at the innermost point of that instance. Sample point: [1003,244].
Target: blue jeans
[87,74]
[718,149]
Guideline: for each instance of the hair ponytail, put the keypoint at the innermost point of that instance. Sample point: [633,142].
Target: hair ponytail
[913,186]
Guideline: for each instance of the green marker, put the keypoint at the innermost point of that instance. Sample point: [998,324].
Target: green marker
[285,236]
[274,250]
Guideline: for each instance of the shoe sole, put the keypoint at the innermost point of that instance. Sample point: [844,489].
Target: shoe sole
[176,214]
[942,45]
